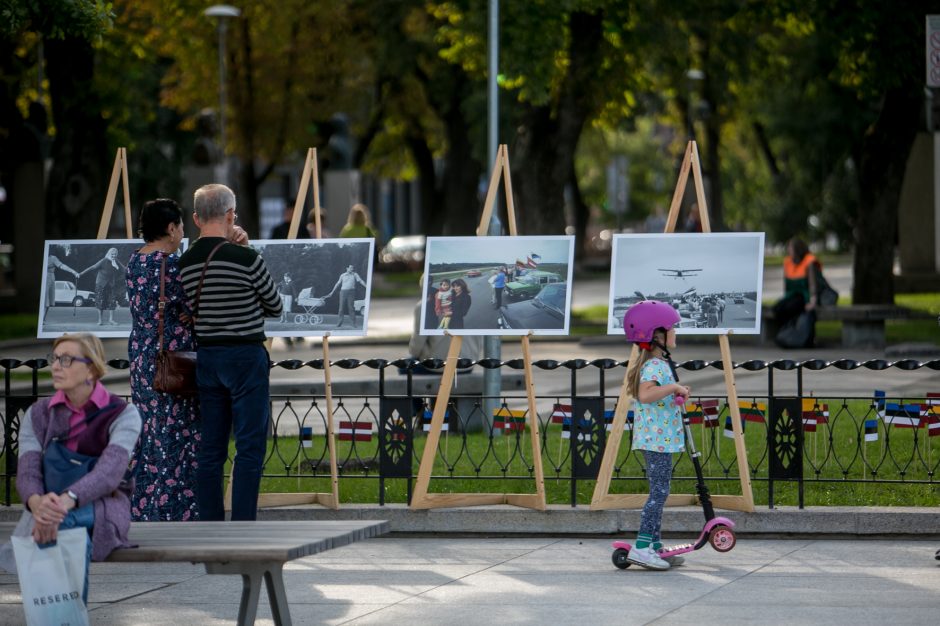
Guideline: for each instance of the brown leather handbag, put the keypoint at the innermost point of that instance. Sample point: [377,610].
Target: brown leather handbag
[176,369]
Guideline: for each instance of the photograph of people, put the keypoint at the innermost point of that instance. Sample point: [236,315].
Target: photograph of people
[518,285]
[166,464]
[53,263]
[714,280]
[346,283]
[108,275]
[83,287]
[324,286]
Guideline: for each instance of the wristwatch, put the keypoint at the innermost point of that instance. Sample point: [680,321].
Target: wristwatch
[72,495]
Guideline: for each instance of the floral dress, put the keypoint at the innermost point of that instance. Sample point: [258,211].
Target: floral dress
[166,464]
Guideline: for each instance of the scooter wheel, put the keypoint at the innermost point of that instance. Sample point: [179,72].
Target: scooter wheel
[619,557]
[722,538]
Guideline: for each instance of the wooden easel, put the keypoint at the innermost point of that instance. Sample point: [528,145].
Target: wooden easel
[421,499]
[330,500]
[118,174]
[602,498]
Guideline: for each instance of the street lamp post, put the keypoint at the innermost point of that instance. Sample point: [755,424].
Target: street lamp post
[222,12]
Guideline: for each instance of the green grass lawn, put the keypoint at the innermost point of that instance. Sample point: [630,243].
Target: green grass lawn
[502,470]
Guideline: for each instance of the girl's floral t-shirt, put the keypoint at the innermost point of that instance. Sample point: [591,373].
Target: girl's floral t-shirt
[657,426]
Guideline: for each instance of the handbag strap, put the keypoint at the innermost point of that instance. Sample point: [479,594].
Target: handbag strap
[90,416]
[161,306]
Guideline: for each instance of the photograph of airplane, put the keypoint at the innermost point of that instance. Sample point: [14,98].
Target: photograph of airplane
[678,273]
[721,274]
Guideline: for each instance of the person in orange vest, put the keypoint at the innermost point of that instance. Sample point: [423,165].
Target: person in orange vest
[800,269]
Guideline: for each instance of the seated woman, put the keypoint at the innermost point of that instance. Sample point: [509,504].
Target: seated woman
[84,417]
[799,289]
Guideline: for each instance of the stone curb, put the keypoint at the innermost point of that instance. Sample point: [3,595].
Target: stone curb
[565,520]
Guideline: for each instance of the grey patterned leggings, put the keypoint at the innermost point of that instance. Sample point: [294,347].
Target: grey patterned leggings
[659,473]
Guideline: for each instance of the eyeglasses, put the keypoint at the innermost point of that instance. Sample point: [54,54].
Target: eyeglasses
[66,360]
[234,215]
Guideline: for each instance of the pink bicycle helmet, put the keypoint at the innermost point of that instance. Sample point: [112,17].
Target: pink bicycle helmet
[644,317]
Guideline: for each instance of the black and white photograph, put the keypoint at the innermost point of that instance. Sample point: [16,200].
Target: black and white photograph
[714,280]
[84,287]
[497,285]
[325,285]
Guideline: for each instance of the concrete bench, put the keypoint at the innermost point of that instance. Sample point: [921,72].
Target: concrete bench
[254,550]
[863,325]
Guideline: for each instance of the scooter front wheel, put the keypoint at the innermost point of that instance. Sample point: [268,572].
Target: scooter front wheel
[619,557]
[722,538]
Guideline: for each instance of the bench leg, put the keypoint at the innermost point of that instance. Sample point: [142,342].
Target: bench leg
[252,574]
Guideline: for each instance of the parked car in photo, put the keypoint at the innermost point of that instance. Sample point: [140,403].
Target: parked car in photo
[66,293]
[474,273]
[529,284]
[403,253]
[545,310]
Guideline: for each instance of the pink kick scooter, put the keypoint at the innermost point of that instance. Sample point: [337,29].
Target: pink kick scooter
[717,530]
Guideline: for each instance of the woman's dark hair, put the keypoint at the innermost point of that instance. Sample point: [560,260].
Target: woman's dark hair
[156,217]
[460,283]
[800,249]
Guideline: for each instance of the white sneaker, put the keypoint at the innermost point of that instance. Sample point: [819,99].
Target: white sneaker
[673,561]
[646,557]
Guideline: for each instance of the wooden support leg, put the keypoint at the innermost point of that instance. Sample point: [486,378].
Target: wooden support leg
[252,574]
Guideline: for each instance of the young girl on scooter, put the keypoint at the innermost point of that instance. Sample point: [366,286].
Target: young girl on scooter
[657,425]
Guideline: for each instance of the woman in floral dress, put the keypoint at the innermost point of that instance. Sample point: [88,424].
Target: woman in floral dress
[166,459]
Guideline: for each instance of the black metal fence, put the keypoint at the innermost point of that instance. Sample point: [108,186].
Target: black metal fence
[859,439]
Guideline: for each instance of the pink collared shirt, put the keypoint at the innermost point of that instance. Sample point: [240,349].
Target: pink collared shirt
[99,397]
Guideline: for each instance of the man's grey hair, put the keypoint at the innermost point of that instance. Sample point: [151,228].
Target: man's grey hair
[211,202]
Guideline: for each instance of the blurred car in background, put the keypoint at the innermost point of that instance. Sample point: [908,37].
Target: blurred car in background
[546,310]
[66,293]
[403,253]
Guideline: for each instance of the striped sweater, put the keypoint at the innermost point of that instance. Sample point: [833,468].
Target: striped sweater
[238,293]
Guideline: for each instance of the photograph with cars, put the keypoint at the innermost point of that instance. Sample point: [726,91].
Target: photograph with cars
[83,287]
[714,280]
[325,285]
[497,285]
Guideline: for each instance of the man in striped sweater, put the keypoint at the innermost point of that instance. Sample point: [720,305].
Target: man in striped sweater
[232,369]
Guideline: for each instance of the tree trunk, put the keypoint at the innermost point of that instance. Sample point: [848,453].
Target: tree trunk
[882,161]
[543,152]
[462,171]
[582,213]
[80,173]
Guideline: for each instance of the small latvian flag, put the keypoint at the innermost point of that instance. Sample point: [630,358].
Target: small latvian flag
[509,419]
[871,430]
[355,431]
[813,414]
[729,429]
[306,436]
[901,415]
[426,420]
[560,412]
[752,411]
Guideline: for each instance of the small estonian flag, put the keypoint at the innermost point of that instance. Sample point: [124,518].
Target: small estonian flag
[306,436]
[871,430]
[426,420]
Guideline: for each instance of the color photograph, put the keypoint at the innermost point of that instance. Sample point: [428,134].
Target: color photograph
[714,280]
[324,284]
[497,285]
[83,287]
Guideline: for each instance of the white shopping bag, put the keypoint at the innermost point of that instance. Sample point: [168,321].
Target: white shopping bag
[52,578]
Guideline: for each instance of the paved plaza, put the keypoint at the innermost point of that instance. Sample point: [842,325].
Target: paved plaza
[533,580]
